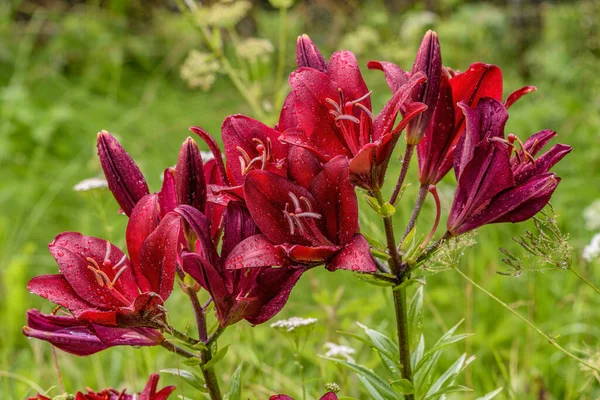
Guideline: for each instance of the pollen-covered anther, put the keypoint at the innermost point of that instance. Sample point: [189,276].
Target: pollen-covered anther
[264,156]
[514,138]
[293,218]
[101,277]
[344,110]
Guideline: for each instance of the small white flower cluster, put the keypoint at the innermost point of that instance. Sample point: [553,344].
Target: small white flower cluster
[223,14]
[592,250]
[338,350]
[199,70]
[90,184]
[591,215]
[255,49]
[293,323]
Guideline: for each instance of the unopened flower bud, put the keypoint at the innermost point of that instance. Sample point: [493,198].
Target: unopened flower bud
[125,180]
[190,183]
[308,55]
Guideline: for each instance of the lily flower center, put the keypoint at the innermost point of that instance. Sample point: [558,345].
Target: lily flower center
[344,111]
[102,278]
[510,141]
[294,217]
[264,156]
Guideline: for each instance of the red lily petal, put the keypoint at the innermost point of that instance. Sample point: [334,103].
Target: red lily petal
[150,393]
[517,94]
[344,72]
[167,196]
[125,180]
[273,287]
[484,121]
[304,165]
[190,183]
[308,54]
[384,121]
[56,289]
[158,257]
[395,76]
[334,192]
[298,138]
[143,221]
[247,139]
[536,142]
[543,164]
[439,139]
[355,256]
[214,212]
[256,251]
[108,318]
[329,396]
[311,89]
[73,252]
[516,204]
[287,116]
[237,226]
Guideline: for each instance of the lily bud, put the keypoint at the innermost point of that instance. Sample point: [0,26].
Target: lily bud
[308,55]
[125,180]
[190,183]
[429,61]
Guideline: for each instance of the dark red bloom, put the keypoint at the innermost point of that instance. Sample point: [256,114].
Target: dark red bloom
[329,113]
[190,183]
[492,186]
[99,284]
[149,392]
[436,149]
[253,294]
[303,226]
[81,338]
[326,396]
[308,55]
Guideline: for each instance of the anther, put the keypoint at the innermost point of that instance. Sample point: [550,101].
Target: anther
[107,254]
[307,202]
[347,117]
[296,202]
[121,261]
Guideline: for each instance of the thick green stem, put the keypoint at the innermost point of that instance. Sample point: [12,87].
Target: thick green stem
[210,378]
[399,293]
[550,339]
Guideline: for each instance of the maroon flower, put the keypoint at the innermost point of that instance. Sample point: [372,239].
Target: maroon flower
[492,186]
[81,338]
[303,226]
[190,182]
[99,284]
[326,396]
[329,113]
[436,149]
[149,392]
[253,294]
[308,55]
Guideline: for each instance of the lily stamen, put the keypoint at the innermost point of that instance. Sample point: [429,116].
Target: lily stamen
[106,261]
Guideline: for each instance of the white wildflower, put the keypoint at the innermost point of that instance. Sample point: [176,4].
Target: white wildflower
[592,250]
[338,350]
[255,49]
[224,14]
[90,184]
[293,323]
[199,70]
[592,216]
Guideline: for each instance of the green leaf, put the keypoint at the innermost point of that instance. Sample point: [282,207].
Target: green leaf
[192,362]
[374,242]
[491,394]
[447,377]
[377,279]
[188,376]
[449,389]
[373,382]
[417,355]
[235,386]
[216,358]
[403,386]
[408,241]
[382,343]
[415,317]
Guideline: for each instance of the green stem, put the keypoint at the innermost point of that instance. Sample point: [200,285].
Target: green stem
[550,340]
[399,293]
[210,378]
[416,210]
[281,57]
[590,284]
[405,164]
[177,350]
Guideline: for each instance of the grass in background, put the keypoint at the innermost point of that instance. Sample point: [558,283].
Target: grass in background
[64,76]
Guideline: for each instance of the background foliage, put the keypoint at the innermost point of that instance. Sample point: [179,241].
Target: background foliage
[70,68]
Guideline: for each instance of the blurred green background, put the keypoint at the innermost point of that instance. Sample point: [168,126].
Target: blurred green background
[70,68]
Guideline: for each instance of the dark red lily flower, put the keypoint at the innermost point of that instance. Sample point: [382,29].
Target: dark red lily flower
[326,396]
[492,186]
[149,392]
[190,182]
[329,113]
[303,226]
[99,284]
[436,149]
[253,294]
[308,54]
[81,338]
